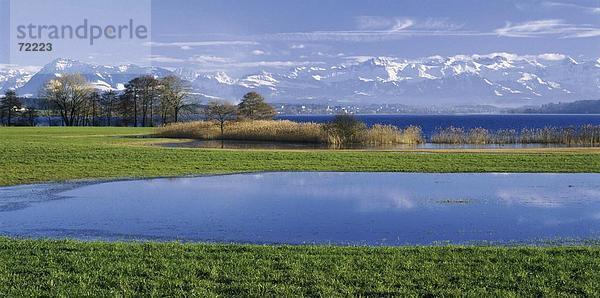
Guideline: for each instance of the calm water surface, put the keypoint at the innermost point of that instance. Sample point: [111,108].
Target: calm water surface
[235,144]
[429,123]
[313,207]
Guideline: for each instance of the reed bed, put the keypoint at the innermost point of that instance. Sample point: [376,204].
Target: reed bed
[585,135]
[289,131]
[389,134]
[252,130]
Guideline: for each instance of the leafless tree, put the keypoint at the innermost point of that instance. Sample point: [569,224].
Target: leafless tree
[221,112]
[173,94]
[69,94]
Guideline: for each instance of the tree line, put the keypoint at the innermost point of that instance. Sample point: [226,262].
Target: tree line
[145,101]
[14,113]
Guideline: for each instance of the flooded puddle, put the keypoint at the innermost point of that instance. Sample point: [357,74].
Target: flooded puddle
[232,144]
[313,207]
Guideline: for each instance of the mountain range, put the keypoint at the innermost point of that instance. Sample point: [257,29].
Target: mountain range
[500,79]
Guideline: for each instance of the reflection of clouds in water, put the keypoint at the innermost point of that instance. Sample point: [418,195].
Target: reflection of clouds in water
[547,198]
[370,191]
[387,201]
[527,197]
[590,193]
[365,197]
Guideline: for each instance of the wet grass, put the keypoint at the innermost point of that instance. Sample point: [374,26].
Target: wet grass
[70,268]
[56,154]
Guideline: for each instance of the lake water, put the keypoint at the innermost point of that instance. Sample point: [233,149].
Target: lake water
[235,144]
[313,207]
[429,123]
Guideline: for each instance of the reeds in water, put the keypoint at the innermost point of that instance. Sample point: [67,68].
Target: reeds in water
[585,135]
[289,131]
[256,130]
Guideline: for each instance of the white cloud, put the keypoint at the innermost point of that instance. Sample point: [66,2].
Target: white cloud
[359,59]
[298,46]
[378,28]
[401,25]
[209,59]
[560,5]
[164,59]
[27,68]
[258,52]
[550,27]
[189,44]
[364,36]
[552,56]
[398,24]
[275,64]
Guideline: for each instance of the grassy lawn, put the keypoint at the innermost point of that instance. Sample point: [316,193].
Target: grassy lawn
[52,154]
[69,268]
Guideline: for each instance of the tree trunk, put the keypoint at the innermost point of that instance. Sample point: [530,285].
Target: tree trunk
[135,110]
[222,129]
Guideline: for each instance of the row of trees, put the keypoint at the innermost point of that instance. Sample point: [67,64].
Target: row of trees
[13,112]
[144,101]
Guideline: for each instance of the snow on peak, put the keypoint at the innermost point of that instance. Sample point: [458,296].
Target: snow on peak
[223,78]
[552,56]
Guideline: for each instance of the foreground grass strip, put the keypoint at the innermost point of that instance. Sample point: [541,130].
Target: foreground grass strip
[51,154]
[70,268]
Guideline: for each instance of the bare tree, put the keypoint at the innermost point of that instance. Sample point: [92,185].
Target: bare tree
[173,93]
[108,101]
[69,95]
[94,107]
[221,112]
[142,92]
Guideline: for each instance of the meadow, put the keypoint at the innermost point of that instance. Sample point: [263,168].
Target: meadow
[72,268]
[43,154]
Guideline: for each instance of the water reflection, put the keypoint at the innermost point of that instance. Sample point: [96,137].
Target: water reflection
[315,207]
[232,144]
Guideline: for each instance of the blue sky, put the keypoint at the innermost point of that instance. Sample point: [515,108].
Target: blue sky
[243,36]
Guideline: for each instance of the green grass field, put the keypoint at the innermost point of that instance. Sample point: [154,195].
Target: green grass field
[70,268]
[53,154]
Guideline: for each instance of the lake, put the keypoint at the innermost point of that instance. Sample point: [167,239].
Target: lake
[313,208]
[429,123]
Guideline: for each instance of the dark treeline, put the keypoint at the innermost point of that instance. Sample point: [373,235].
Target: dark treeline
[146,101]
[14,113]
[576,107]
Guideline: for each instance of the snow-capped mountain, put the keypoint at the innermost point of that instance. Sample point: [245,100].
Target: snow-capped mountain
[100,76]
[14,77]
[500,78]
